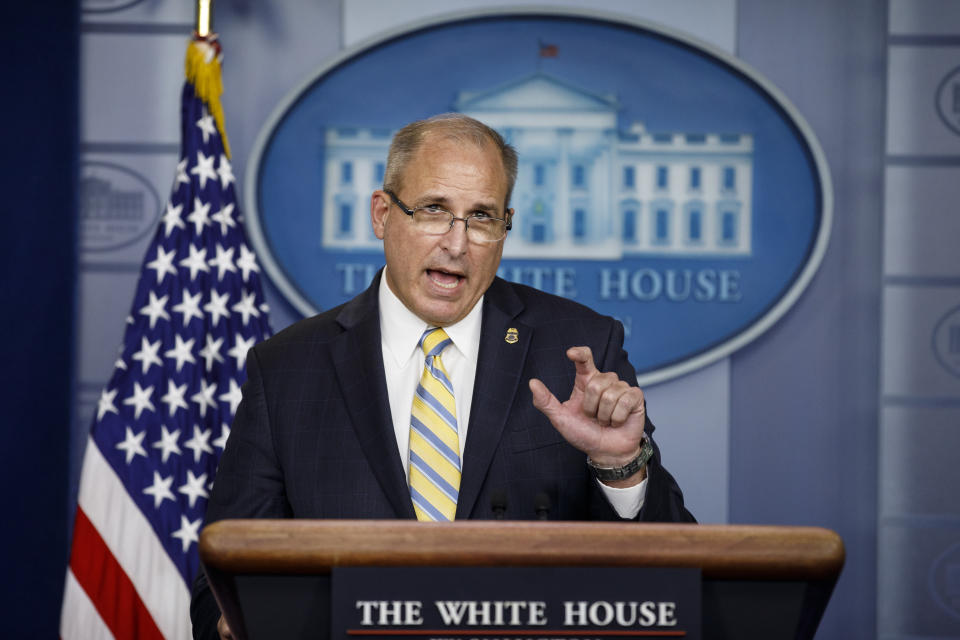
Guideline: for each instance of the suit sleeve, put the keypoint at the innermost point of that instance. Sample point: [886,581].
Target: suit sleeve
[664,500]
[248,484]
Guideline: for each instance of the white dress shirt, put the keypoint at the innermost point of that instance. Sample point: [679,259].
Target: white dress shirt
[400,331]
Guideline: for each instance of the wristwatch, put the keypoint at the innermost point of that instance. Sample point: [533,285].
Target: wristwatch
[612,474]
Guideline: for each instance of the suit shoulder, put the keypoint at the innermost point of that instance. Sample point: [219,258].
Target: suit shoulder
[301,336]
[542,307]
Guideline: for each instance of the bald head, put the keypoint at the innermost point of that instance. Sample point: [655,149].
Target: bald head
[450,126]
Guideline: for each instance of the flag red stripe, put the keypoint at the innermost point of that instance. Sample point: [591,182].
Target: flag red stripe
[107,585]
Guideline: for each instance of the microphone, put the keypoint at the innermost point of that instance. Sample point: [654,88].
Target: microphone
[498,504]
[541,504]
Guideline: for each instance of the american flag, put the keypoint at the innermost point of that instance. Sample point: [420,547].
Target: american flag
[548,50]
[163,419]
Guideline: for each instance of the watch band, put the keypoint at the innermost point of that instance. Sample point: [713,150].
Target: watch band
[612,474]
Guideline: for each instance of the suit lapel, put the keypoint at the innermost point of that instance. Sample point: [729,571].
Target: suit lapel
[358,359]
[499,369]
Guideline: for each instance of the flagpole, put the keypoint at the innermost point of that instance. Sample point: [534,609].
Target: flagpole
[204,17]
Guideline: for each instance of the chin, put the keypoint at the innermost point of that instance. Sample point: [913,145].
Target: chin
[442,317]
[441,321]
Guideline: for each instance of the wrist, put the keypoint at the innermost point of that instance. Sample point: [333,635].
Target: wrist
[617,471]
[609,461]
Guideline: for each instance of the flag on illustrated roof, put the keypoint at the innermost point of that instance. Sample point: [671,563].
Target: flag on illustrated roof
[548,50]
[164,417]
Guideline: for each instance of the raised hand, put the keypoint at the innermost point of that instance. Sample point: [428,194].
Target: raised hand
[604,416]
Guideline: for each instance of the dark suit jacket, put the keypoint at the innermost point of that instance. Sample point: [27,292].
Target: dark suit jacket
[313,437]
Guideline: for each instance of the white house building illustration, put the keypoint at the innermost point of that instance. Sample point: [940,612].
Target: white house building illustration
[585,189]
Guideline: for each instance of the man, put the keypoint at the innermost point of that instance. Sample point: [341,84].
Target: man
[369,411]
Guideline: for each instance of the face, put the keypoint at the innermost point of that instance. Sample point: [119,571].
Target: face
[441,278]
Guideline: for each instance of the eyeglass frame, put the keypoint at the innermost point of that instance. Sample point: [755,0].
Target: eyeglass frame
[453,218]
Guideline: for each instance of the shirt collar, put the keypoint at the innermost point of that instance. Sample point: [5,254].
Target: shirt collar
[400,328]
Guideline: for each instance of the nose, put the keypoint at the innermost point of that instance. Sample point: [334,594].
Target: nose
[455,240]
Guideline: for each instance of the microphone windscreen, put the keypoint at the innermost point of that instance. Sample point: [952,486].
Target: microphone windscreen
[498,499]
[541,504]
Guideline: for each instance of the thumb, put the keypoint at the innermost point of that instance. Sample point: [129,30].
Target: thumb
[543,399]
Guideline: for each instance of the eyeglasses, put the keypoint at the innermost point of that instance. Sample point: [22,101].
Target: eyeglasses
[434,221]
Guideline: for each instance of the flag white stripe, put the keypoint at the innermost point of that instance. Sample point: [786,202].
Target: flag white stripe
[80,620]
[134,544]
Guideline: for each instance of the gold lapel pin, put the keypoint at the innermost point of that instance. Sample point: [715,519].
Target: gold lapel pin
[511,337]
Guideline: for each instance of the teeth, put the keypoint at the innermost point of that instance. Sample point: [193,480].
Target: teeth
[445,285]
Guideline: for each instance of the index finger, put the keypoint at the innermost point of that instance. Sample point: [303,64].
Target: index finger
[582,358]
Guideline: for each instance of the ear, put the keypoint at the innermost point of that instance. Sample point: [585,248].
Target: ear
[379,209]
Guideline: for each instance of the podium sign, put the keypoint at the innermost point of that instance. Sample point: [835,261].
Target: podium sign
[515,603]
[273,578]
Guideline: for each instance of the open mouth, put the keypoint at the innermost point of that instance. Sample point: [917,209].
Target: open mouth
[444,279]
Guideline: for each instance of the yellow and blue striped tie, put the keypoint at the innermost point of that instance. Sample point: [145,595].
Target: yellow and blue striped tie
[434,441]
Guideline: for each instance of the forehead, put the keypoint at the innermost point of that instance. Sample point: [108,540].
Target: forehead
[458,163]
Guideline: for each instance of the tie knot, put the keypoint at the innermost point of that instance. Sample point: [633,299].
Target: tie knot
[433,341]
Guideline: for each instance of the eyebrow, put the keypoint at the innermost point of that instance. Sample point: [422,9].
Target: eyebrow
[445,203]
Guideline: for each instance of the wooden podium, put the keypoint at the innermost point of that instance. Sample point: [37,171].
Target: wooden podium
[272,577]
